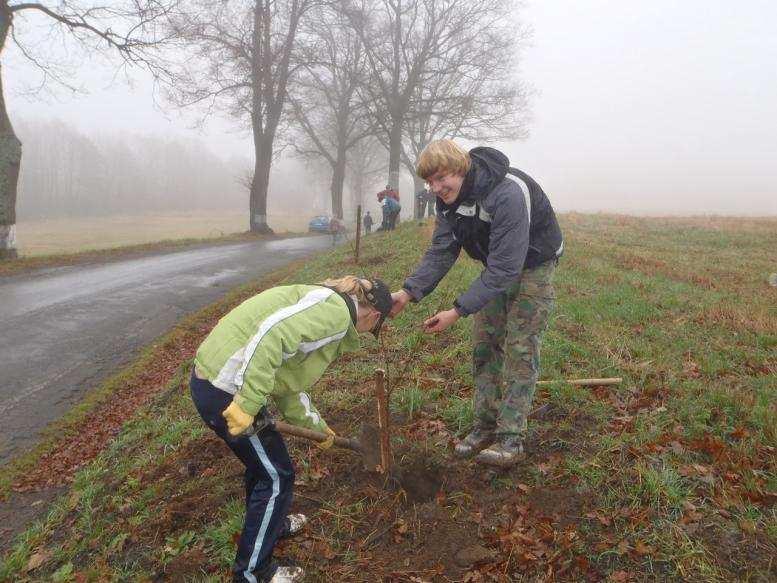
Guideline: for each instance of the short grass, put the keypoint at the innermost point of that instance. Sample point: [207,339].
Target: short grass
[668,476]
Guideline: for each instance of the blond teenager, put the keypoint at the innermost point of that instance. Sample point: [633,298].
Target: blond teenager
[501,217]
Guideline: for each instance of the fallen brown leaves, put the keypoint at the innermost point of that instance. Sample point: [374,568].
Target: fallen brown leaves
[533,542]
[38,558]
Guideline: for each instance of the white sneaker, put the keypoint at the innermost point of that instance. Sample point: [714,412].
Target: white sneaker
[288,575]
[293,524]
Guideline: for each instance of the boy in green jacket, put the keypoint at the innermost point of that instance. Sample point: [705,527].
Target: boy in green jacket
[276,345]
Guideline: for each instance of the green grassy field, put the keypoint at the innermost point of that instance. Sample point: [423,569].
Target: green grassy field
[668,476]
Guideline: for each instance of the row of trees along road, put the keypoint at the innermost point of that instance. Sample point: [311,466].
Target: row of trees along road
[327,79]
[68,174]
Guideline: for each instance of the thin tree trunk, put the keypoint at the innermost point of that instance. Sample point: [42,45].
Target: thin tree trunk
[263,134]
[261,183]
[10,159]
[419,205]
[358,186]
[395,151]
[358,231]
[267,96]
[338,179]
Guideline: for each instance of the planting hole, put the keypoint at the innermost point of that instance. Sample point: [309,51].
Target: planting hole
[420,482]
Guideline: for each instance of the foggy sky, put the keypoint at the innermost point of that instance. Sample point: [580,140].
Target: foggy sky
[645,107]
[658,106]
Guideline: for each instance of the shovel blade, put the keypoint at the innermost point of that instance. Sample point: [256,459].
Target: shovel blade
[369,438]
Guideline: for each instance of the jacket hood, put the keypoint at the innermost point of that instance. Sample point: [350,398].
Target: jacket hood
[489,168]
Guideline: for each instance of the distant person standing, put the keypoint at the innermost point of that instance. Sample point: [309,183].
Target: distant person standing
[394,209]
[425,202]
[431,202]
[389,200]
[336,229]
[367,221]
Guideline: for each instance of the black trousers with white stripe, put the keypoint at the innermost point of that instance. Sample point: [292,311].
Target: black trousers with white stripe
[269,480]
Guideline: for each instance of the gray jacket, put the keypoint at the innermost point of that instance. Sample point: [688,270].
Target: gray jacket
[493,222]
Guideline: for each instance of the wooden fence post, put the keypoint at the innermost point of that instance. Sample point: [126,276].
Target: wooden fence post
[383,420]
[358,230]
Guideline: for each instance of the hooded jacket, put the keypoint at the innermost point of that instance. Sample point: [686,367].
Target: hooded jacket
[501,218]
[276,345]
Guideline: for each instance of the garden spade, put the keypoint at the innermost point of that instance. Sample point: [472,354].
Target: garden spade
[368,444]
[317,436]
[374,443]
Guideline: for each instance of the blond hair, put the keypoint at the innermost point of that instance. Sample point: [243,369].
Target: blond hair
[350,285]
[442,156]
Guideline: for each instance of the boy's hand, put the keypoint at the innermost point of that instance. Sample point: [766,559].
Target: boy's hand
[328,443]
[398,302]
[440,321]
[237,419]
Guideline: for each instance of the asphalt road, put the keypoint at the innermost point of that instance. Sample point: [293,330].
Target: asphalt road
[66,329]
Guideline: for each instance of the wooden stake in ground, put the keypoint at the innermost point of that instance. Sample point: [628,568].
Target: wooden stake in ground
[358,231]
[381,397]
[585,382]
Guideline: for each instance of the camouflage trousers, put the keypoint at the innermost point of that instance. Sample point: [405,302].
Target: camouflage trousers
[507,334]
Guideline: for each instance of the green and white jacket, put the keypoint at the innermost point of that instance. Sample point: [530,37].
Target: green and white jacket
[278,344]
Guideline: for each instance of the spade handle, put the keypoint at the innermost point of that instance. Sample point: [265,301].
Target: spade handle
[305,433]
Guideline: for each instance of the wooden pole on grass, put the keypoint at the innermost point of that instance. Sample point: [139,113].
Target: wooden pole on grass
[584,382]
[383,420]
[358,230]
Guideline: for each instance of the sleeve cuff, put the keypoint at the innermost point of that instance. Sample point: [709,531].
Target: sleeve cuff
[414,296]
[249,407]
[460,310]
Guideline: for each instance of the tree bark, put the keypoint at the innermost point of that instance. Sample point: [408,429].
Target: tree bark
[10,159]
[267,100]
[395,154]
[338,179]
[261,183]
[419,206]
[397,111]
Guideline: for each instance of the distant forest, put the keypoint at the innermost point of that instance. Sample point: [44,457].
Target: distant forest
[65,174]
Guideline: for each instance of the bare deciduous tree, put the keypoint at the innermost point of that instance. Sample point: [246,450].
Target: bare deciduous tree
[67,174]
[364,164]
[325,106]
[438,67]
[129,29]
[241,59]
[472,90]
[398,41]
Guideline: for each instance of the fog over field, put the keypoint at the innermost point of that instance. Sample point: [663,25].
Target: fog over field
[645,108]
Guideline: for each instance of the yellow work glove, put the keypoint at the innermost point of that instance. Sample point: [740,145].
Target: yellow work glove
[237,419]
[328,443]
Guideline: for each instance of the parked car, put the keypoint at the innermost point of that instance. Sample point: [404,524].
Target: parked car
[319,224]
